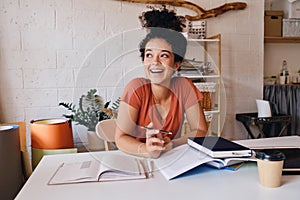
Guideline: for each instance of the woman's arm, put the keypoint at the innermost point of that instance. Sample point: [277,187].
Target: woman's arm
[125,136]
[196,120]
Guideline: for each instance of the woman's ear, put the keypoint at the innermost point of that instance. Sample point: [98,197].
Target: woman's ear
[177,65]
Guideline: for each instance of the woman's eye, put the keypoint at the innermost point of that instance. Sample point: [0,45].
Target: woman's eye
[165,56]
[148,55]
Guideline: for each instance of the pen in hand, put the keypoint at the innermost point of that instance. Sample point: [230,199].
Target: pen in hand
[162,131]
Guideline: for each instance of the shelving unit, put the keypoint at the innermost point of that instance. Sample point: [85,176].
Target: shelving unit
[272,39]
[208,46]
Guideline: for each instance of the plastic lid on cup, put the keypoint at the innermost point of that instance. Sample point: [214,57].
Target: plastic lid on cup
[270,155]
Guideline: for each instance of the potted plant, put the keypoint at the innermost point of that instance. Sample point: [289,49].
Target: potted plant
[91,109]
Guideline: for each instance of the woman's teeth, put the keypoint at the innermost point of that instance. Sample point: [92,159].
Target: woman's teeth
[156,70]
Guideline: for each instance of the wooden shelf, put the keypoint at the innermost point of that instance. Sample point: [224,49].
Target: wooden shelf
[273,39]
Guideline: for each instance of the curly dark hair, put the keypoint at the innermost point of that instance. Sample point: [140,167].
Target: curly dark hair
[164,24]
[163,18]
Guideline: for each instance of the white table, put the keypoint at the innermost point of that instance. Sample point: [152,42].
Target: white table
[207,183]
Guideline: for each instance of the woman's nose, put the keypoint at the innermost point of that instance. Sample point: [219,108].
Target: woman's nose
[155,60]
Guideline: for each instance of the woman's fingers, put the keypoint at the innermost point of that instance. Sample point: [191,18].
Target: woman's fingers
[154,144]
[151,133]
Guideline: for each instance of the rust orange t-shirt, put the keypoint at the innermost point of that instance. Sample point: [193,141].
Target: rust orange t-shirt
[138,94]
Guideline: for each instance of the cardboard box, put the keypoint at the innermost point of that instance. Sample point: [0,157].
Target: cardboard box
[273,22]
[291,27]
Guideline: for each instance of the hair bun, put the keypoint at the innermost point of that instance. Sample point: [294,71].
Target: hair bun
[162,18]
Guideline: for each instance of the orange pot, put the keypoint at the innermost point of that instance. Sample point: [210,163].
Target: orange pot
[51,134]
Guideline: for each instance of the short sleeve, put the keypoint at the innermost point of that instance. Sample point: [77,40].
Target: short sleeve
[133,92]
[190,95]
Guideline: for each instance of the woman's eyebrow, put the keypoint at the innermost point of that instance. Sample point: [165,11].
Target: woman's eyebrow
[162,50]
[167,51]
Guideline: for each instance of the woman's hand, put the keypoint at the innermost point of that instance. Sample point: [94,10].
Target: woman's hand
[167,143]
[154,142]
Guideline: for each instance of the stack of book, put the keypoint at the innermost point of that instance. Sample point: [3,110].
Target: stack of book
[218,147]
[213,151]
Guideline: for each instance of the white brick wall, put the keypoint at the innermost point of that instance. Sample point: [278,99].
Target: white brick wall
[49,47]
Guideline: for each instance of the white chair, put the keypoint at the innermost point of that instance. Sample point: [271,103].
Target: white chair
[105,130]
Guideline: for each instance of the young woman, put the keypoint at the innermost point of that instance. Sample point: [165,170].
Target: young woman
[153,109]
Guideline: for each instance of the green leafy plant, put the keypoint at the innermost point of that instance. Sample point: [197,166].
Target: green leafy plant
[91,109]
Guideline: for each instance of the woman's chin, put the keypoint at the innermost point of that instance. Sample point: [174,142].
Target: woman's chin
[156,80]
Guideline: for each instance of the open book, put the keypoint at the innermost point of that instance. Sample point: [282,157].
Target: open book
[184,158]
[109,168]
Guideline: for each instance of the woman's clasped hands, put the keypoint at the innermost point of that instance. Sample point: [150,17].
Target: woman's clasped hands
[156,142]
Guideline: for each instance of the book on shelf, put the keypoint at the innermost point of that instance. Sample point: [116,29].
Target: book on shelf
[109,168]
[185,158]
[218,147]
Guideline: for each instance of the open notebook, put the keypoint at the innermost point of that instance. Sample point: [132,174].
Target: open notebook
[184,158]
[109,168]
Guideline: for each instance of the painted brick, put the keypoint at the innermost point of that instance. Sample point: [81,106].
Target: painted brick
[88,20]
[64,19]
[30,98]
[110,77]
[70,58]
[117,26]
[113,47]
[11,78]
[88,40]
[132,38]
[37,4]
[29,59]
[10,40]
[97,5]
[65,94]
[47,39]
[8,4]
[34,113]
[48,78]
[88,78]
[12,113]
[24,19]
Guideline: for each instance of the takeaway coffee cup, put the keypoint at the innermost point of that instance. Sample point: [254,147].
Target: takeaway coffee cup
[270,163]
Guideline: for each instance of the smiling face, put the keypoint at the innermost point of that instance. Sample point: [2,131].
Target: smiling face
[159,61]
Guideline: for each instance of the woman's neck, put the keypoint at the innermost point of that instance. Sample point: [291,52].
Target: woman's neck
[161,93]
[162,97]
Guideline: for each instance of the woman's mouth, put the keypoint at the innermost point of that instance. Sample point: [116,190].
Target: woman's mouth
[156,71]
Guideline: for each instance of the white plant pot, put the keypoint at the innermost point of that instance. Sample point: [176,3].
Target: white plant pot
[94,142]
[79,135]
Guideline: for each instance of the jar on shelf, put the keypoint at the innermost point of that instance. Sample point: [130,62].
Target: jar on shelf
[284,77]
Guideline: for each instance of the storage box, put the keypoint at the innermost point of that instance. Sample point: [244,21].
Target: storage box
[208,90]
[273,22]
[294,9]
[291,27]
